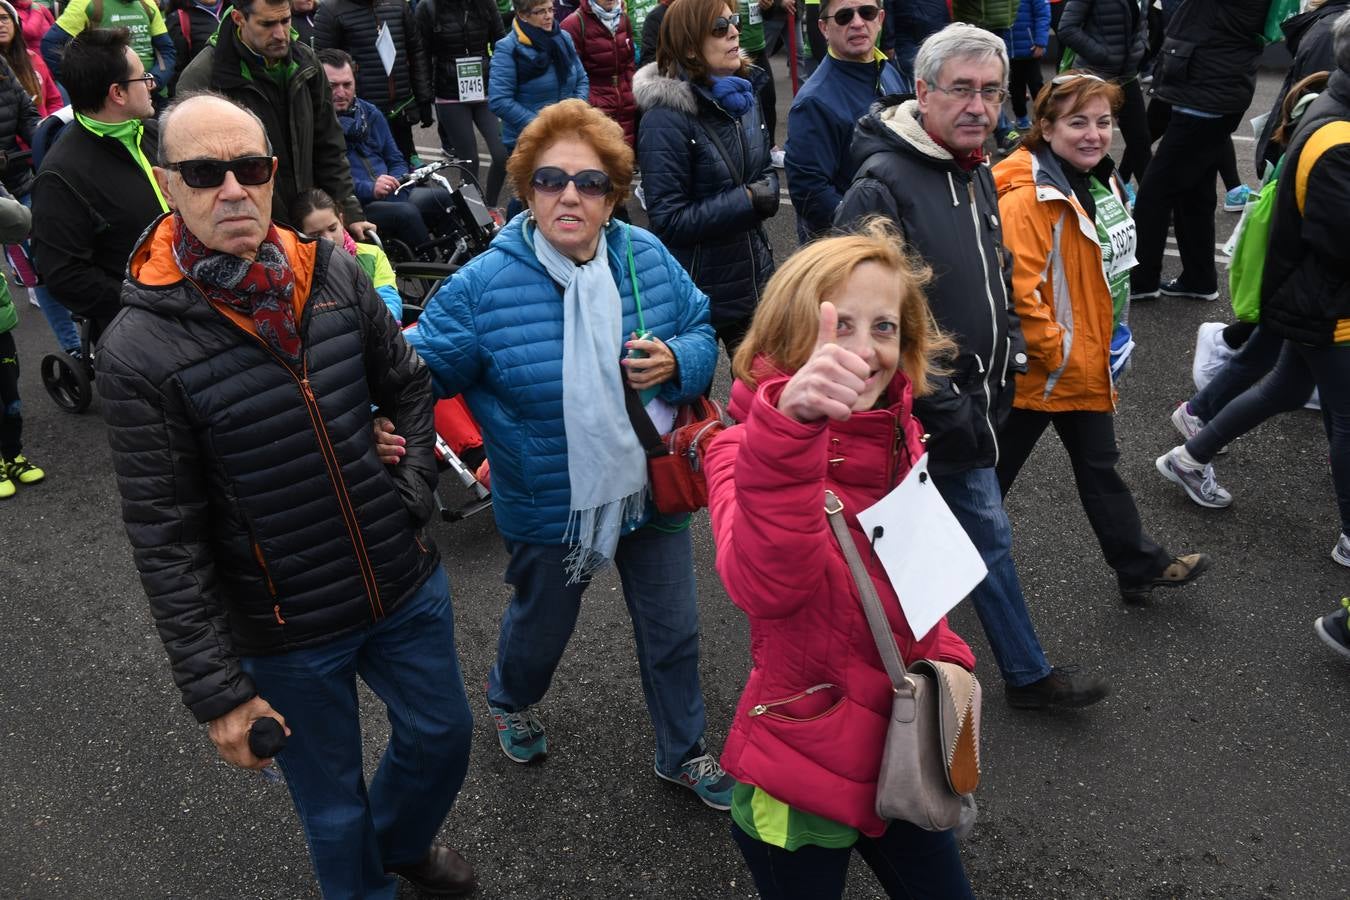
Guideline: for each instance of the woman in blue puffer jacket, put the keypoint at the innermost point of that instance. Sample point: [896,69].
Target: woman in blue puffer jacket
[535,333]
[704,151]
[534,66]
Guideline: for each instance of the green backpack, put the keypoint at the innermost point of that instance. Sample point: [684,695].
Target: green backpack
[1249,255]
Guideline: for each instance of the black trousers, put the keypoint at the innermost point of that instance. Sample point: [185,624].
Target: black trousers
[1090,439]
[11,411]
[1179,185]
[768,98]
[1024,79]
[1134,129]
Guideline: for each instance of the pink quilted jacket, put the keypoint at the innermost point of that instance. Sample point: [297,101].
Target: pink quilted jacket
[810,725]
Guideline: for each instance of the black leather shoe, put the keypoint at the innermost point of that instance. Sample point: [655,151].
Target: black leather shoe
[1181,570]
[443,873]
[1064,687]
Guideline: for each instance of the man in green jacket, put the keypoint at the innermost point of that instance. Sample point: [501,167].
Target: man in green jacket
[252,60]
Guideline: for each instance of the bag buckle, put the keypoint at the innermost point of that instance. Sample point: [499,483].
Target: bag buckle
[833,504]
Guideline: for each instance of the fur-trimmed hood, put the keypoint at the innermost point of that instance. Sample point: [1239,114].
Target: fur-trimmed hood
[651,89]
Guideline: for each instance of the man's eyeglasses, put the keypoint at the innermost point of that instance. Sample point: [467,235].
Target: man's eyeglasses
[963,92]
[1070,77]
[147,79]
[589,182]
[722,24]
[210,173]
[844,16]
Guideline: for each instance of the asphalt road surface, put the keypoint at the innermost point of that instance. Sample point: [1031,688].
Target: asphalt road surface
[1217,769]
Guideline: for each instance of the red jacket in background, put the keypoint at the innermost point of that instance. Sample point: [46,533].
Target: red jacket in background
[609,61]
[36,20]
[818,752]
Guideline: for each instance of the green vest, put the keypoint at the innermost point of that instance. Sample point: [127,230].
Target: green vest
[752,26]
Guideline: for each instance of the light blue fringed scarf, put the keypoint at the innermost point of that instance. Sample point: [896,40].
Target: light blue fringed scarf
[606,466]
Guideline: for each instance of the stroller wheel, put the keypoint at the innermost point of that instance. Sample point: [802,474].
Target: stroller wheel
[68,382]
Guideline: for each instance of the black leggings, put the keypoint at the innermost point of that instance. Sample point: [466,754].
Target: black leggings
[456,123]
[1024,78]
[1134,129]
[1158,116]
[11,412]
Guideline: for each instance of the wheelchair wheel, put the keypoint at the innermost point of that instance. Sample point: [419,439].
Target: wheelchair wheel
[398,252]
[68,382]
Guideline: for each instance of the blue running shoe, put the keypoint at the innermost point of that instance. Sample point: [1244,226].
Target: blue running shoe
[701,773]
[520,733]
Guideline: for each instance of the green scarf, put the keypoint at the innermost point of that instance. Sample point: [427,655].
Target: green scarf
[129,134]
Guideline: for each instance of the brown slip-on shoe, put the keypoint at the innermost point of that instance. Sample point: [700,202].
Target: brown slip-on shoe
[442,873]
[1181,570]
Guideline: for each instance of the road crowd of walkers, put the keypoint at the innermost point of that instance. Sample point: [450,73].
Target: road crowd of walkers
[964,282]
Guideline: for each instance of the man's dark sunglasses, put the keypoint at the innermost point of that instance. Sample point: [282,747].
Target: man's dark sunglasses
[589,182]
[844,16]
[722,24]
[209,173]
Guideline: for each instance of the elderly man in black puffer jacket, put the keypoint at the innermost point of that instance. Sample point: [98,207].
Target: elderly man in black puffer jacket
[279,541]
[403,93]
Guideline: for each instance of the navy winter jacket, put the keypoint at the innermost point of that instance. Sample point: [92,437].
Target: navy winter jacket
[1032,29]
[819,166]
[517,102]
[697,162]
[494,332]
[910,22]
[371,150]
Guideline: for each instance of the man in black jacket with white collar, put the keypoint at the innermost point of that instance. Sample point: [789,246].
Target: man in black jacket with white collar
[921,164]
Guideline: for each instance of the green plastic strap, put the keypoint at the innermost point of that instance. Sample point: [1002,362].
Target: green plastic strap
[632,274]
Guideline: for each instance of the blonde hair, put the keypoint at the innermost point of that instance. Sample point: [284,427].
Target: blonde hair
[783,335]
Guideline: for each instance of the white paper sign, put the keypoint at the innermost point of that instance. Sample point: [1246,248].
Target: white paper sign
[384,45]
[931,562]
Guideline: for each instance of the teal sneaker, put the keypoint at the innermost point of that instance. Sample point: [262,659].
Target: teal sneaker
[520,733]
[701,773]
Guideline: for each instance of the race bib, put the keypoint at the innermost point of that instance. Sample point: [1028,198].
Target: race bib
[754,15]
[1118,239]
[469,71]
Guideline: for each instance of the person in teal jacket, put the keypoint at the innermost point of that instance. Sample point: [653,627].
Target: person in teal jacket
[533,333]
[535,65]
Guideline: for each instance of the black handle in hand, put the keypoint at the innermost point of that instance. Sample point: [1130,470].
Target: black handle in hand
[266,738]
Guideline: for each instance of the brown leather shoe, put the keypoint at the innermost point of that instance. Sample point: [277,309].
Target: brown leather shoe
[442,873]
[1182,570]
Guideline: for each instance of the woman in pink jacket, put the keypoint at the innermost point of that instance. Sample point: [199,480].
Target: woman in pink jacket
[840,344]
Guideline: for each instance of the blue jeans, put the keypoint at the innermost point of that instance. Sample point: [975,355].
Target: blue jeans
[656,569]
[409,661]
[908,861]
[1249,365]
[977,503]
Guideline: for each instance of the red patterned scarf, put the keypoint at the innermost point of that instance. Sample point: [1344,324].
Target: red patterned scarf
[260,288]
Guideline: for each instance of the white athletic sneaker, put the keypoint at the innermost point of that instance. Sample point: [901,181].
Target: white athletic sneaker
[777,155]
[1199,484]
[1341,552]
[1189,425]
[1212,353]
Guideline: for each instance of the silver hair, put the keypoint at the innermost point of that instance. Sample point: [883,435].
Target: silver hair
[958,40]
[1340,36]
[162,157]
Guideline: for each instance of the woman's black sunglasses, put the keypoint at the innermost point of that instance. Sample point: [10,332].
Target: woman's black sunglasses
[209,173]
[844,16]
[589,182]
[722,24]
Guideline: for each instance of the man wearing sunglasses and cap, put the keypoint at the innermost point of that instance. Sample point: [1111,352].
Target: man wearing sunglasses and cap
[852,76]
[282,547]
[95,193]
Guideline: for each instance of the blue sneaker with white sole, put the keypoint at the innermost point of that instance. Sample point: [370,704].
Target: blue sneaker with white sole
[701,773]
[520,734]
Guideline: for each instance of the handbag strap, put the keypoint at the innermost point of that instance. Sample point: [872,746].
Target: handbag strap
[646,432]
[632,275]
[867,593]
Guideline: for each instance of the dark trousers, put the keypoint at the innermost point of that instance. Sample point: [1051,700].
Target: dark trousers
[402,130]
[456,123]
[1024,79]
[11,411]
[768,98]
[908,862]
[1298,370]
[1179,185]
[1133,119]
[1090,439]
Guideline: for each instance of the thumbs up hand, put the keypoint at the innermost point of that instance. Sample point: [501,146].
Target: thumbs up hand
[828,385]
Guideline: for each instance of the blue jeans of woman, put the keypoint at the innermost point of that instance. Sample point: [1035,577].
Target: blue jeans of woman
[656,569]
[908,862]
[1298,370]
[409,661]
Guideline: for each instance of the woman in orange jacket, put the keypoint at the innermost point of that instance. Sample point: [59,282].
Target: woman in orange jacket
[1072,241]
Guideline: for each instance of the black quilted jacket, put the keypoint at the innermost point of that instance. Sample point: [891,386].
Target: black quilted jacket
[1109,36]
[260,518]
[453,29]
[352,25]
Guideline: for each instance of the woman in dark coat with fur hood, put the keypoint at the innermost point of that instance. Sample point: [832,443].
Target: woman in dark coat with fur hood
[704,153]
